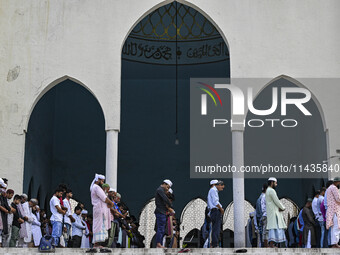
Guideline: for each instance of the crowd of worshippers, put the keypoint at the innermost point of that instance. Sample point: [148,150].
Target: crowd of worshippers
[317,224]
[23,223]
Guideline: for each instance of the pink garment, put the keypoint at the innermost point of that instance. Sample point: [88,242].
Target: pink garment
[333,205]
[100,211]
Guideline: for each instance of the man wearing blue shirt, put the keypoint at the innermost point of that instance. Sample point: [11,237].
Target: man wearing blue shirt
[215,210]
[77,227]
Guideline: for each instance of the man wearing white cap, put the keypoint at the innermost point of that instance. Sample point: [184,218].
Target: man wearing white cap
[163,204]
[85,240]
[275,223]
[36,224]
[100,204]
[215,210]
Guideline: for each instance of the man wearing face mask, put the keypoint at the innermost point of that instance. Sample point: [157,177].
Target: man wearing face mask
[275,222]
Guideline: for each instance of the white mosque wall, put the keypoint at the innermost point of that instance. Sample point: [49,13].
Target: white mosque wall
[43,41]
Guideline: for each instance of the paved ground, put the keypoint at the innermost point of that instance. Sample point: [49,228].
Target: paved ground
[260,251]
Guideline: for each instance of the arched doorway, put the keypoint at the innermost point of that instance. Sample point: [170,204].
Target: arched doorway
[163,51]
[65,142]
[302,145]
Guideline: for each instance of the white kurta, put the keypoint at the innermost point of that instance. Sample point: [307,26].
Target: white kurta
[28,223]
[36,230]
[85,240]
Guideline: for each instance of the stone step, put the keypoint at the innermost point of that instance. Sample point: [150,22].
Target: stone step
[196,251]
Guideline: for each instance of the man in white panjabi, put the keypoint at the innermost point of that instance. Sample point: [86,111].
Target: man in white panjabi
[100,204]
[85,240]
[26,227]
[275,223]
[36,230]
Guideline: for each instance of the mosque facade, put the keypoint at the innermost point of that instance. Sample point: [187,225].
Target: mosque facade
[103,87]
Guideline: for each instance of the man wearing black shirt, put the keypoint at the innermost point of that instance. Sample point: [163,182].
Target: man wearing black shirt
[163,205]
[5,209]
[17,220]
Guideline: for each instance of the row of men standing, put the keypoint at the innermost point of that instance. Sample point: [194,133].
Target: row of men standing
[271,219]
[20,218]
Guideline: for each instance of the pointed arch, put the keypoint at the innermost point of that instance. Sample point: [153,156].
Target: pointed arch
[298,84]
[187,3]
[48,87]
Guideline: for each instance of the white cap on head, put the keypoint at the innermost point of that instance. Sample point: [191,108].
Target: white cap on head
[168,182]
[84,212]
[24,196]
[2,183]
[34,201]
[96,178]
[272,179]
[212,182]
[171,191]
[112,190]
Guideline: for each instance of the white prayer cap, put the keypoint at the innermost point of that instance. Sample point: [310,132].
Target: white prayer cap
[212,182]
[99,176]
[96,178]
[24,196]
[2,183]
[272,179]
[37,206]
[171,191]
[112,190]
[168,182]
[118,195]
[84,212]
[34,201]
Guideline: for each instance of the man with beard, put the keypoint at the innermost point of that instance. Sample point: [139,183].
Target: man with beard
[100,203]
[275,223]
[68,218]
[163,204]
[17,221]
[57,216]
